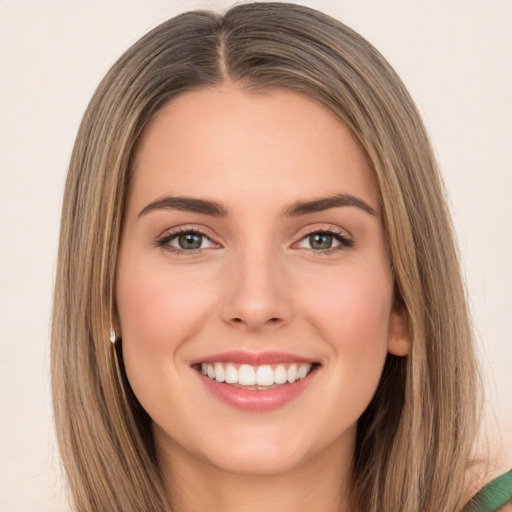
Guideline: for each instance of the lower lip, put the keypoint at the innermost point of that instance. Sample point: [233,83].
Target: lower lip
[254,399]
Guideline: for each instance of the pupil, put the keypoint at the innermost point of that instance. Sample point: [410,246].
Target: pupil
[190,241]
[320,241]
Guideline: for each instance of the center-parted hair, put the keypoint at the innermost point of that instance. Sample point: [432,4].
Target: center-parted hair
[415,440]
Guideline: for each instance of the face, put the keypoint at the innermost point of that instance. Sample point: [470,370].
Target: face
[255,297]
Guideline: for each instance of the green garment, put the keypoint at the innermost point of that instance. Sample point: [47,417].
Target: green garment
[493,496]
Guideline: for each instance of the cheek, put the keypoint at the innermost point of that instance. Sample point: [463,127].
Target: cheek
[158,311]
[352,316]
[356,305]
[156,305]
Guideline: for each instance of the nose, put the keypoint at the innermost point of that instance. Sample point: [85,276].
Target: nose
[256,292]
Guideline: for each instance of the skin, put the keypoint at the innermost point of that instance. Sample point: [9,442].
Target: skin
[256,284]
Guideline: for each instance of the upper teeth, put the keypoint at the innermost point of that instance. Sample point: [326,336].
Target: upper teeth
[248,375]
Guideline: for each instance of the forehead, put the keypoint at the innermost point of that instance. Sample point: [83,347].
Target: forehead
[231,144]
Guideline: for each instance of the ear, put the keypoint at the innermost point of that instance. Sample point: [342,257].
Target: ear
[399,337]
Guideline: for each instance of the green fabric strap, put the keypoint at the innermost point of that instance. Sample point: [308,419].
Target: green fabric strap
[493,496]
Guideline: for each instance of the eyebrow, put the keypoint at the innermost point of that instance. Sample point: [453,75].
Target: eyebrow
[319,205]
[215,209]
[186,204]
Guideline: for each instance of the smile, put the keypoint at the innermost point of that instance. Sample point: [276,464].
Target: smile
[256,377]
[256,382]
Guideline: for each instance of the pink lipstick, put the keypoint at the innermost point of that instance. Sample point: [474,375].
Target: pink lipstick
[256,381]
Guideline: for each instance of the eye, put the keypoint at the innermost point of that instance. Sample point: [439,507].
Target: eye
[184,241]
[324,241]
[318,241]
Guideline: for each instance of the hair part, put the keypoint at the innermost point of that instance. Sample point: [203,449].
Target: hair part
[415,440]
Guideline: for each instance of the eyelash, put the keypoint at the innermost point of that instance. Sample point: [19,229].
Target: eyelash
[167,238]
[344,241]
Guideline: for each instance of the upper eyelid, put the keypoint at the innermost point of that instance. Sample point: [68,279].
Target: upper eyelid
[186,228]
[324,228]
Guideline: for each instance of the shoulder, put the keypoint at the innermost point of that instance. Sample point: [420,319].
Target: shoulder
[496,496]
[489,477]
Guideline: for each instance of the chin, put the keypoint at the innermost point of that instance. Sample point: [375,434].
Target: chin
[245,450]
[252,463]
[259,458]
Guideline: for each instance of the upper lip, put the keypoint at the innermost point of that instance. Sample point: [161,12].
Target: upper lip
[253,358]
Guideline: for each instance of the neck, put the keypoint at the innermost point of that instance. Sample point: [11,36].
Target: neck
[195,485]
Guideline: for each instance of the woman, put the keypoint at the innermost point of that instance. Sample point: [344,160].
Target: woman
[253,216]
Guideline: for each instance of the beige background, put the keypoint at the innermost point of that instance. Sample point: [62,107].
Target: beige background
[455,57]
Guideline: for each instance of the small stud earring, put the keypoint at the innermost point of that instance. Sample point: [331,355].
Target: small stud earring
[112,335]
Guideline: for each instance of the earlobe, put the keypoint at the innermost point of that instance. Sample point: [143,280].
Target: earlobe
[399,339]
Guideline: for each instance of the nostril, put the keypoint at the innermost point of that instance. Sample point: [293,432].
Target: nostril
[253,322]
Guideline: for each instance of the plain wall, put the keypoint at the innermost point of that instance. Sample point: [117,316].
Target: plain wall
[455,57]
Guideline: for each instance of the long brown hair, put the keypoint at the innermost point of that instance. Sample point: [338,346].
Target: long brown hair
[415,440]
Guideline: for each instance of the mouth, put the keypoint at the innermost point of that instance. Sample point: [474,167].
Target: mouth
[256,382]
[261,377]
